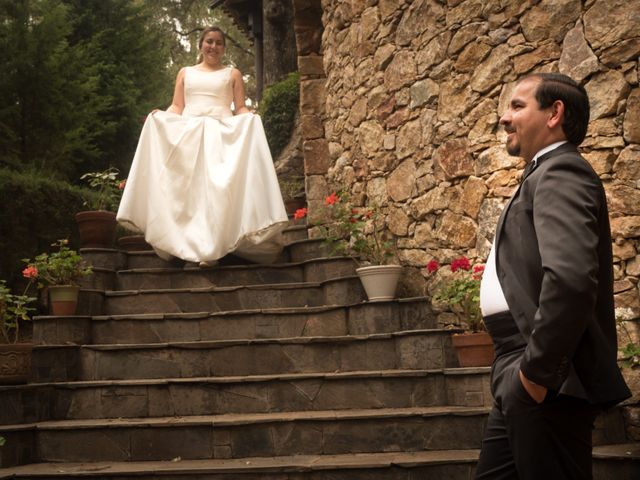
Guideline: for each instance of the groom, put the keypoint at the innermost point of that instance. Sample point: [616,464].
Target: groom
[547,295]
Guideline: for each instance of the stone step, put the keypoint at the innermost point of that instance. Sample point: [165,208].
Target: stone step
[415,349]
[619,462]
[296,251]
[242,435]
[340,291]
[316,270]
[361,318]
[244,394]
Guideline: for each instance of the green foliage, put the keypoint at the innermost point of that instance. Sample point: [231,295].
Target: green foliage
[13,310]
[35,212]
[278,111]
[291,187]
[2,441]
[108,187]
[78,76]
[631,355]
[62,267]
[461,291]
[357,231]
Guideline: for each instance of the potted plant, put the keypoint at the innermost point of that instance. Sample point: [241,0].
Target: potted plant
[460,291]
[15,356]
[359,232]
[292,189]
[59,272]
[97,224]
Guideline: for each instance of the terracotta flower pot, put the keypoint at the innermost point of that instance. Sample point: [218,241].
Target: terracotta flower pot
[474,349]
[380,281]
[134,243]
[15,363]
[63,299]
[97,228]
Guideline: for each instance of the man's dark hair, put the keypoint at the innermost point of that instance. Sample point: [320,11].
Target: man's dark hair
[556,86]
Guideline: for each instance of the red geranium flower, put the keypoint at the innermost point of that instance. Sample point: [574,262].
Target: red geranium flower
[300,213]
[478,270]
[432,266]
[30,272]
[331,199]
[460,263]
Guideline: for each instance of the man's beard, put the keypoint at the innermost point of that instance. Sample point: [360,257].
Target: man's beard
[513,148]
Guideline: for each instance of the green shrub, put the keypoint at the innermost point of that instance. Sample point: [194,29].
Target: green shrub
[278,111]
[36,211]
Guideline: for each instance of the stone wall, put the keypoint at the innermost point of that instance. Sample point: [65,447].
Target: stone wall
[407,115]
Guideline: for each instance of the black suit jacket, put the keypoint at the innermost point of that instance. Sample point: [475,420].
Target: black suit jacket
[554,263]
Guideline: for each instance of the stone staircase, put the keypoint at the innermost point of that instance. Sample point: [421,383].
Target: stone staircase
[242,372]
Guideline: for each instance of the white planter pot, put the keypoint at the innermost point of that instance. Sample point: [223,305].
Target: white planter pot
[380,281]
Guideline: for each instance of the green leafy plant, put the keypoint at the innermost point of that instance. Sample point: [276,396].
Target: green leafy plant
[630,353]
[109,189]
[13,310]
[62,267]
[2,441]
[460,291]
[278,109]
[292,187]
[357,231]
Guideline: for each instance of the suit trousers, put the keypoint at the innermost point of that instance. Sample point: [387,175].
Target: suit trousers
[526,440]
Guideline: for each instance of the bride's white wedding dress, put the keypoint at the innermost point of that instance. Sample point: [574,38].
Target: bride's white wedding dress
[202,184]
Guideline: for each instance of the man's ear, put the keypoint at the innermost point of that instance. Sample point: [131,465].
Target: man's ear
[556,115]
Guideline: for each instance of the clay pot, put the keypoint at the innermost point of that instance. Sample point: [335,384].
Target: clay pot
[97,228]
[474,349]
[63,299]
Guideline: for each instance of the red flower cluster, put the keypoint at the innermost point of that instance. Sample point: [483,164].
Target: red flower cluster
[432,266]
[461,263]
[122,184]
[30,272]
[332,199]
[478,270]
[300,213]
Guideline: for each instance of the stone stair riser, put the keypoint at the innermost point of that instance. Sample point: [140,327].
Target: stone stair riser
[450,471]
[399,352]
[100,279]
[308,437]
[453,470]
[231,276]
[361,319]
[339,292]
[206,398]
[298,251]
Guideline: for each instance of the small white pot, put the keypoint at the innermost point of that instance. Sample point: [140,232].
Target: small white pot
[380,281]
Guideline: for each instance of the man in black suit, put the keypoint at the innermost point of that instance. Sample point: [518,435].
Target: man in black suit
[547,295]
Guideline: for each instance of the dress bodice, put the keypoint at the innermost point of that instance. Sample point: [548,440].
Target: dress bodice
[208,93]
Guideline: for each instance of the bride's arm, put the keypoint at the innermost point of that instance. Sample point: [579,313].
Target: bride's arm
[177,105]
[238,92]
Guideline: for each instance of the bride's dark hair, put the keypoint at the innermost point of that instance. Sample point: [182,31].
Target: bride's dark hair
[204,34]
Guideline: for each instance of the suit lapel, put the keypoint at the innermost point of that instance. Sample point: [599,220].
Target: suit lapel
[566,147]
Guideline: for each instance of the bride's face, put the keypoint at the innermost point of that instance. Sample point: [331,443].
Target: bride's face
[212,47]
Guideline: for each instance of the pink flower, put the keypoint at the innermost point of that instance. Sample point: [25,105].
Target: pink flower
[300,213]
[331,199]
[122,184]
[478,270]
[460,263]
[432,266]
[30,272]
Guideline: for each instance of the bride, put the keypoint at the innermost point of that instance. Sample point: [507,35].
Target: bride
[202,182]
